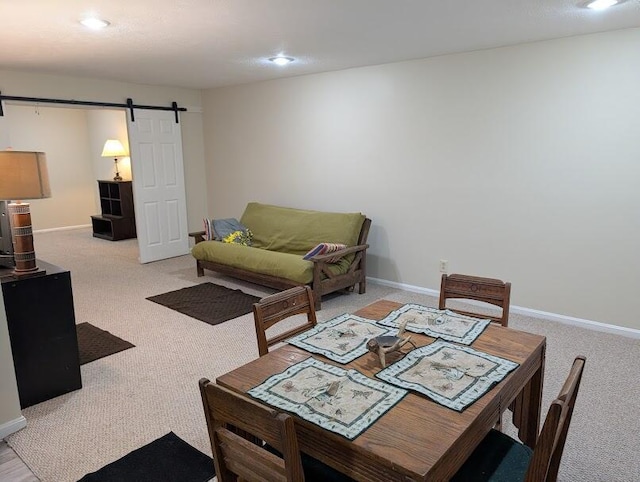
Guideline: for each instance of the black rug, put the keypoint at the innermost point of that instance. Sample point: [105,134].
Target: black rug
[167,459]
[208,302]
[94,343]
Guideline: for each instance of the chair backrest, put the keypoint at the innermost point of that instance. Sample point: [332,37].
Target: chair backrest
[545,461]
[487,290]
[275,308]
[237,426]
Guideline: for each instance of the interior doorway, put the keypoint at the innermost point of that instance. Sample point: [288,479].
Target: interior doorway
[73,138]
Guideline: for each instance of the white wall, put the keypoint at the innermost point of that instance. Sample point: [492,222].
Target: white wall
[103,125]
[11,418]
[64,87]
[63,135]
[519,163]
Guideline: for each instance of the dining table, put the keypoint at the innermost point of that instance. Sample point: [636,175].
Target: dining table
[417,439]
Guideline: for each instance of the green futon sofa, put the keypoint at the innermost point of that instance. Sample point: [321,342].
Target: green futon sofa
[281,237]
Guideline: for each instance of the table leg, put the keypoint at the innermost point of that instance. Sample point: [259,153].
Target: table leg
[528,407]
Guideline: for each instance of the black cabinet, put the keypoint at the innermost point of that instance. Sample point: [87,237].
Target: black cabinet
[117,220]
[42,331]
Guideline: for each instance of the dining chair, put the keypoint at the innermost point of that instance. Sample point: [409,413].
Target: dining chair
[274,308]
[255,443]
[501,458]
[487,290]
[237,457]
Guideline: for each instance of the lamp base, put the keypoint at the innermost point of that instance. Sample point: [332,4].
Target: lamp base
[23,251]
[117,177]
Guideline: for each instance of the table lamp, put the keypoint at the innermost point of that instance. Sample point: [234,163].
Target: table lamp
[113,148]
[23,175]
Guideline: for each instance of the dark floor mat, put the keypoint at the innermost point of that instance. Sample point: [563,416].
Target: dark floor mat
[167,459]
[94,343]
[208,302]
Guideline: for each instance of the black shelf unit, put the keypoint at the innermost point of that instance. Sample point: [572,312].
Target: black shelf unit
[117,220]
[42,331]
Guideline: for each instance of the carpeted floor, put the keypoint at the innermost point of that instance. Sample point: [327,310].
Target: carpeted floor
[208,302]
[94,343]
[141,394]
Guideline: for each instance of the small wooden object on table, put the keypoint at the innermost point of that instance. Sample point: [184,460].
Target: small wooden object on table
[382,345]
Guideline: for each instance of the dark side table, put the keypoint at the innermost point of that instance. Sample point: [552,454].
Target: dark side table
[42,331]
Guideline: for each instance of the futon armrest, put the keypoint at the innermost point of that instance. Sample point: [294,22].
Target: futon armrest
[197,235]
[341,253]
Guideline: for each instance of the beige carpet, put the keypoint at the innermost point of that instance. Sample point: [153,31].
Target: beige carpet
[133,397]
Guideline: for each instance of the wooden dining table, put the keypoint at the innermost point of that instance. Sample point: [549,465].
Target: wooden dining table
[418,439]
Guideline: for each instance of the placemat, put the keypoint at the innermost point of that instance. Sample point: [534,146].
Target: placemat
[452,375]
[342,339]
[444,324]
[345,402]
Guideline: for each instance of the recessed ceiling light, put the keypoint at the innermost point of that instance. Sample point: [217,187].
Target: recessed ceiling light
[94,23]
[602,4]
[281,60]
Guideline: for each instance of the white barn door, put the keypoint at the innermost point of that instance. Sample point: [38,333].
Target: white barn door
[155,145]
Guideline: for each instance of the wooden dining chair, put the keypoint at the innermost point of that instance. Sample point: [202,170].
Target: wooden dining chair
[255,443]
[274,308]
[236,457]
[486,290]
[501,458]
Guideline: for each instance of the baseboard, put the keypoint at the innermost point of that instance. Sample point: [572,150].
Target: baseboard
[12,426]
[580,322]
[403,287]
[64,228]
[544,315]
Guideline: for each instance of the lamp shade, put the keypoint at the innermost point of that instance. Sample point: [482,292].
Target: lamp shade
[23,175]
[114,148]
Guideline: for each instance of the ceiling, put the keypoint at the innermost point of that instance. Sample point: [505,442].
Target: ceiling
[211,43]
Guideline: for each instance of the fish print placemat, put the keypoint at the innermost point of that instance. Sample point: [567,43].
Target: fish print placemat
[345,402]
[452,375]
[444,324]
[342,339]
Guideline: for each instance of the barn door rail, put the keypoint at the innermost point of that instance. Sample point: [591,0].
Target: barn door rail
[128,105]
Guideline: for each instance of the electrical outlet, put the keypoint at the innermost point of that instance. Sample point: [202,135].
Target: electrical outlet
[444,265]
